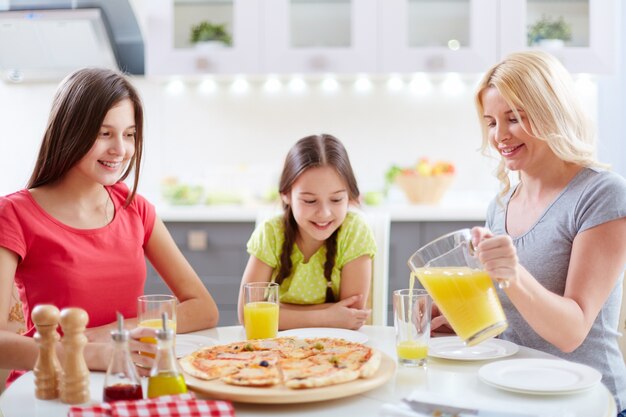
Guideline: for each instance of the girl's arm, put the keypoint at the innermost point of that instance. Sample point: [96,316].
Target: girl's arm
[197,309]
[597,260]
[356,279]
[20,352]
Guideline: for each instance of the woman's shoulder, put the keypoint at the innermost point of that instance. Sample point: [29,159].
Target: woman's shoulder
[597,181]
[606,177]
[16,199]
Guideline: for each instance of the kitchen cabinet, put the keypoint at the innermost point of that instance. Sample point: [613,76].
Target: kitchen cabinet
[320,36]
[471,35]
[222,258]
[593,30]
[370,36]
[438,35]
[168,30]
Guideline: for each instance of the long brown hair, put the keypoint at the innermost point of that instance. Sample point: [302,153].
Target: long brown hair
[78,110]
[312,152]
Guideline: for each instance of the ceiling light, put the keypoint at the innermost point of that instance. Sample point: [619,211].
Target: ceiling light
[240,86]
[329,84]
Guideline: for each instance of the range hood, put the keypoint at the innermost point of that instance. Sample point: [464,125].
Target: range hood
[46,40]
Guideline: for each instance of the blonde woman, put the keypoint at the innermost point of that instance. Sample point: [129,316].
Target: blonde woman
[558,237]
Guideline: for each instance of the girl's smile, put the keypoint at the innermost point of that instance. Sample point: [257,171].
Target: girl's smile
[319,201]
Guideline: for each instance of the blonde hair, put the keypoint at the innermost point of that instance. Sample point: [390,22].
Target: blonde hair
[537,83]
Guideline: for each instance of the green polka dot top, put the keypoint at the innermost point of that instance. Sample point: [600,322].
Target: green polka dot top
[307,284]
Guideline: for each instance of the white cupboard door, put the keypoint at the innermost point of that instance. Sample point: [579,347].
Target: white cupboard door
[319,36]
[438,35]
[170,51]
[591,47]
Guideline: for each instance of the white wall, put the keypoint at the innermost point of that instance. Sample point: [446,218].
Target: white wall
[612,105]
[227,140]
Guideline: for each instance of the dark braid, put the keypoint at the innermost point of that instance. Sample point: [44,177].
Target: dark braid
[331,254]
[291,228]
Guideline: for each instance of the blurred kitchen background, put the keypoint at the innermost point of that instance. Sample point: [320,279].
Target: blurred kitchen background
[393,79]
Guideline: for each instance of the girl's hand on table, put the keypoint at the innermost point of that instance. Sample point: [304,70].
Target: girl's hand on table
[342,314]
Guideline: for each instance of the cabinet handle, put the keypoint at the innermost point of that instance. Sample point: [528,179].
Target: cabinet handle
[436,63]
[204,64]
[319,62]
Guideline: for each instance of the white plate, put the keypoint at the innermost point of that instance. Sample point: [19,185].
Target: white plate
[452,347]
[189,343]
[349,335]
[539,376]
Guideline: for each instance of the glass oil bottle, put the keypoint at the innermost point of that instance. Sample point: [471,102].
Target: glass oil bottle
[165,378]
[121,381]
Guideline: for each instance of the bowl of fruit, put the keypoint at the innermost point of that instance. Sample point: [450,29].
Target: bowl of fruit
[180,194]
[424,183]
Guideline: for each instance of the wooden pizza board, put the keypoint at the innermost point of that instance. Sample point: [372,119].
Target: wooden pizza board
[219,390]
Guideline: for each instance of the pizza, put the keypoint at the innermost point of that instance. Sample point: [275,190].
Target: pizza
[284,361]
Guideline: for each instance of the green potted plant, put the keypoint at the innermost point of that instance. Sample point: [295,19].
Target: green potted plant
[210,33]
[549,32]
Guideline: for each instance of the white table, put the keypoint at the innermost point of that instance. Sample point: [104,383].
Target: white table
[454,382]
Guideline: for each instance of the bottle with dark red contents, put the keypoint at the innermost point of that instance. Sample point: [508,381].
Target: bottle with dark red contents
[121,381]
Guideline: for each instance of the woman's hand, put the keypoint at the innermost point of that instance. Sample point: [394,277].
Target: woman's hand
[439,322]
[343,314]
[497,254]
[144,360]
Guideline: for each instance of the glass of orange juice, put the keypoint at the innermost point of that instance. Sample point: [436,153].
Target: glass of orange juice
[448,269]
[149,310]
[411,320]
[260,310]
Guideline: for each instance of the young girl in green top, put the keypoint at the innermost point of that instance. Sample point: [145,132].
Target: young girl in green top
[319,252]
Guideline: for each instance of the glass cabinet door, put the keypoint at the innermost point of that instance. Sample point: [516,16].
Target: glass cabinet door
[319,36]
[578,32]
[202,36]
[438,35]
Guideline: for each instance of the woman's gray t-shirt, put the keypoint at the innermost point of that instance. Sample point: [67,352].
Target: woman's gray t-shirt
[592,197]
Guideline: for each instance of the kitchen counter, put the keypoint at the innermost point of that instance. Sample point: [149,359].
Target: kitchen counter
[399,212]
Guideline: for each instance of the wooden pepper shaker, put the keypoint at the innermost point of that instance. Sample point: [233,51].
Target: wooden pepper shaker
[47,369]
[75,377]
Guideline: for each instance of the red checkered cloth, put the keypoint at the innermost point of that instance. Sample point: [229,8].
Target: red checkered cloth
[184,405]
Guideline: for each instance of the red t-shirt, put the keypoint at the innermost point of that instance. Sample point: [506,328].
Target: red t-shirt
[101,270]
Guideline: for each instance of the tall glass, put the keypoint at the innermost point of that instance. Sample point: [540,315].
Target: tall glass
[149,311]
[260,310]
[411,320]
[463,291]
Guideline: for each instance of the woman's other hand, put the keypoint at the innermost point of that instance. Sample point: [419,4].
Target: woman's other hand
[438,321]
[144,360]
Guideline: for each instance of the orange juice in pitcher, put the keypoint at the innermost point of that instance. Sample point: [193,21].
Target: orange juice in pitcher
[462,290]
[467,298]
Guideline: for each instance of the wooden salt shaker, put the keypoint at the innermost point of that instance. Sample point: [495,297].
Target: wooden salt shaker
[75,377]
[47,369]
